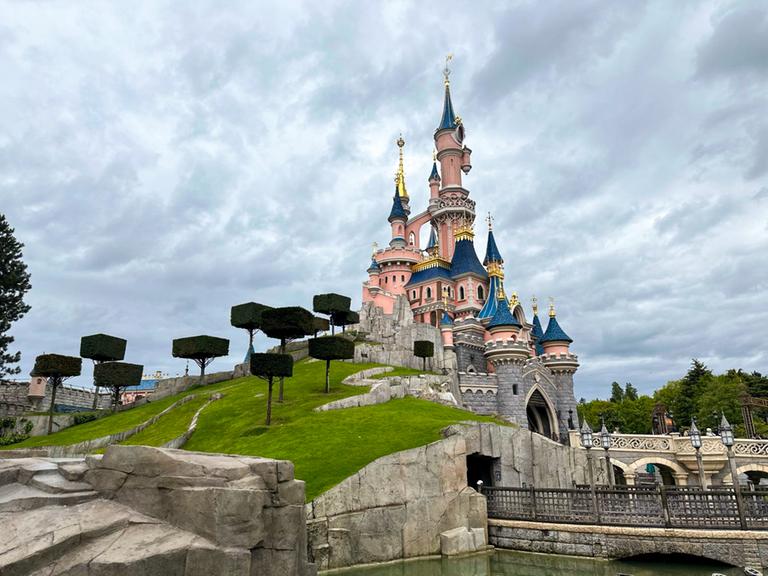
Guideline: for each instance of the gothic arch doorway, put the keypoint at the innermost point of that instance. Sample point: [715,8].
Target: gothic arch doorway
[540,417]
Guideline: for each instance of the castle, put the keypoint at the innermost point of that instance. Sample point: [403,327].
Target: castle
[504,364]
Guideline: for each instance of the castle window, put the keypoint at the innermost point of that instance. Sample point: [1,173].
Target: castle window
[402,278]
[514,389]
[429,292]
[480,293]
[386,279]
[411,239]
[461,292]
[414,294]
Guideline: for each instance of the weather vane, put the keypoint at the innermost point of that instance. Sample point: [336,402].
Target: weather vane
[447,71]
[489,219]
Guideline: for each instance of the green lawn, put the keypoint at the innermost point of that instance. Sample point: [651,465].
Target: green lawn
[400,372]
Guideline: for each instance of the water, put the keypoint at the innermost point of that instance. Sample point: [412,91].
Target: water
[504,563]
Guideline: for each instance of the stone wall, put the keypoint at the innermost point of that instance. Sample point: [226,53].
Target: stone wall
[741,548]
[425,386]
[171,386]
[13,398]
[399,505]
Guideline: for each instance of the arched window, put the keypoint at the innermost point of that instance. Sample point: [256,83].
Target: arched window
[429,292]
[386,279]
[402,278]
[480,293]
[411,239]
[414,294]
[461,292]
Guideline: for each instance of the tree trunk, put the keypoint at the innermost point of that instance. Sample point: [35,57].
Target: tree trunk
[96,395]
[202,372]
[327,381]
[250,344]
[280,393]
[424,364]
[269,402]
[115,398]
[54,385]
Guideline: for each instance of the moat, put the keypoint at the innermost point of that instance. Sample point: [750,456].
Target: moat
[502,563]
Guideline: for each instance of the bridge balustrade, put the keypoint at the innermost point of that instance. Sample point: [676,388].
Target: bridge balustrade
[647,506]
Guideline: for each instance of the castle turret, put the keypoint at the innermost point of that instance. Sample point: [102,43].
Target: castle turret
[374,271]
[537,332]
[494,264]
[503,325]
[469,275]
[446,330]
[434,179]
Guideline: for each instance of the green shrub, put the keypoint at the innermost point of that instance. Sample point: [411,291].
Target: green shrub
[102,347]
[287,323]
[331,348]
[200,347]
[331,303]
[83,417]
[248,315]
[321,325]
[345,318]
[12,439]
[423,348]
[57,366]
[272,365]
[117,374]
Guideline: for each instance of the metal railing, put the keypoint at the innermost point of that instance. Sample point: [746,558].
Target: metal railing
[644,506]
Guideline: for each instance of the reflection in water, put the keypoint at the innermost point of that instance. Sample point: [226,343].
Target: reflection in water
[503,563]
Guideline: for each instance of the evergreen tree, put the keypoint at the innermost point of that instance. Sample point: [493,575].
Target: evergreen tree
[617,394]
[630,392]
[14,283]
[691,387]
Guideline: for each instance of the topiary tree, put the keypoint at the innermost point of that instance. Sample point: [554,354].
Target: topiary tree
[56,368]
[321,325]
[248,317]
[202,349]
[117,376]
[344,319]
[423,349]
[269,367]
[334,305]
[101,348]
[331,348]
[286,324]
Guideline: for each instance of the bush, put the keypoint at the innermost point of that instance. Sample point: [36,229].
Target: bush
[345,318]
[57,365]
[321,325]
[331,348]
[83,417]
[102,347]
[200,347]
[248,315]
[331,303]
[117,374]
[423,349]
[272,365]
[287,323]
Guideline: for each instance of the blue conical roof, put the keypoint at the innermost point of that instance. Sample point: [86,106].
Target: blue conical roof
[554,333]
[432,240]
[374,265]
[492,253]
[435,175]
[398,211]
[491,304]
[448,119]
[538,333]
[445,320]
[465,260]
[503,316]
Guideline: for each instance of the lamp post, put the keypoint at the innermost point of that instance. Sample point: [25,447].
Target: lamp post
[605,441]
[726,435]
[695,437]
[586,442]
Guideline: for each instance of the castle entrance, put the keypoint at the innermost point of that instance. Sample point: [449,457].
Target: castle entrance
[539,418]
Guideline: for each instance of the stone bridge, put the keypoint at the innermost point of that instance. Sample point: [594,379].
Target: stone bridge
[675,458]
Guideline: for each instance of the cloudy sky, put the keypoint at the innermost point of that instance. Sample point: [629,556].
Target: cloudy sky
[162,161]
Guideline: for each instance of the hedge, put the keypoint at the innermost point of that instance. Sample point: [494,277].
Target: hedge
[345,318]
[331,348]
[287,323]
[321,324]
[272,365]
[247,315]
[117,374]
[331,303]
[57,365]
[102,347]
[423,348]
[200,347]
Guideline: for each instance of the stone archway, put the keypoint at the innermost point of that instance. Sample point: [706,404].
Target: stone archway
[674,474]
[752,471]
[540,413]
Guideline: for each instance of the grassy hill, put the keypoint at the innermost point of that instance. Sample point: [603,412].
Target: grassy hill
[325,447]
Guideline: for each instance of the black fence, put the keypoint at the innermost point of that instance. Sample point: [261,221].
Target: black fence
[647,506]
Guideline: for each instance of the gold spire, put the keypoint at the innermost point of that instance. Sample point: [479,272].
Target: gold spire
[434,155]
[400,176]
[551,307]
[464,231]
[535,304]
[447,71]
[513,301]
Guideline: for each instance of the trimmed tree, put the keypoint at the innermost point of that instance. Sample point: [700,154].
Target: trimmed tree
[117,376]
[202,349]
[101,348]
[269,367]
[333,305]
[56,368]
[248,317]
[286,324]
[14,283]
[345,319]
[321,325]
[331,348]
[423,349]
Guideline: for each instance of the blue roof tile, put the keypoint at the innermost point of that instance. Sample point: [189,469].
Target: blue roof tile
[503,316]
[489,308]
[435,175]
[429,274]
[538,332]
[492,253]
[448,119]
[397,212]
[554,333]
[465,260]
[446,320]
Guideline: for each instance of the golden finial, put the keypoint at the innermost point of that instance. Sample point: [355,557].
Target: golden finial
[513,301]
[400,176]
[489,219]
[446,70]
[551,307]
[375,247]
[434,155]
[535,305]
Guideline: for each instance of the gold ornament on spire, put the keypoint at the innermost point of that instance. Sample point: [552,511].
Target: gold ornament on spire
[513,301]
[489,219]
[400,176]
[464,230]
[434,155]
[535,305]
[551,307]
[446,70]
[375,247]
